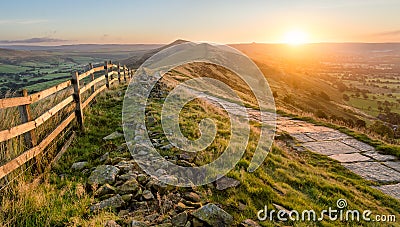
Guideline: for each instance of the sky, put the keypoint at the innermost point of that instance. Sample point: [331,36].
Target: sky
[50,22]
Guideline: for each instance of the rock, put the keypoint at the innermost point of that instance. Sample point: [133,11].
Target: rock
[187,156]
[167,147]
[192,196]
[138,193]
[127,176]
[129,187]
[249,223]
[114,135]
[104,157]
[180,219]
[104,174]
[125,166]
[147,195]
[104,190]
[197,223]
[213,215]
[242,206]
[142,178]
[127,197]
[78,166]
[111,223]
[226,182]
[113,202]
[138,224]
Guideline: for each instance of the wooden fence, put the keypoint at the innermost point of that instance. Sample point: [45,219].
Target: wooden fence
[28,125]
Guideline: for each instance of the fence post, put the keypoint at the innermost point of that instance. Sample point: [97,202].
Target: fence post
[125,72]
[119,73]
[106,74]
[91,77]
[25,113]
[112,69]
[78,100]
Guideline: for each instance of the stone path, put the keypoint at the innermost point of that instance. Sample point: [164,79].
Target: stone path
[355,155]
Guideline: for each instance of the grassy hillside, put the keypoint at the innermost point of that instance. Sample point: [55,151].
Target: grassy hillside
[290,177]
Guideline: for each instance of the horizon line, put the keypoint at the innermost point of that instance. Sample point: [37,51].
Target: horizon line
[267,43]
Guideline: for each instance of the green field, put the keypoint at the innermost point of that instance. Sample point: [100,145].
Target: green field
[4,68]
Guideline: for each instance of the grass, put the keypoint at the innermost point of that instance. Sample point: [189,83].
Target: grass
[53,200]
[293,179]
[4,68]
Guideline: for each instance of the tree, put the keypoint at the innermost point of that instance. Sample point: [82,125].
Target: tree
[346,98]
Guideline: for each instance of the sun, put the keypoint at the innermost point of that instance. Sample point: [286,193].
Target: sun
[295,37]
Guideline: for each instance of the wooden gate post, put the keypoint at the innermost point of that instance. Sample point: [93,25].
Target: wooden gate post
[92,77]
[25,113]
[125,72]
[106,74]
[78,101]
[119,73]
[112,69]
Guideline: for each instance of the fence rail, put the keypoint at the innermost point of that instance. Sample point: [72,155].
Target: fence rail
[28,125]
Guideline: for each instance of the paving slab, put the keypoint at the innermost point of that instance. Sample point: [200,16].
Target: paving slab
[302,138]
[374,171]
[330,147]
[354,157]
[391,189]
[327,135]
[358,144]
[393,165]
[380,157]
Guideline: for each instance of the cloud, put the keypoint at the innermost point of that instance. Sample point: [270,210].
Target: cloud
[23,22]
[33,40]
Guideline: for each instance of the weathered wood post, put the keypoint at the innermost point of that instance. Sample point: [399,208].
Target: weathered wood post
[106,74]
[92,77]
[125,72]
[112,69]
[119,73]
[78,100]
[25,113]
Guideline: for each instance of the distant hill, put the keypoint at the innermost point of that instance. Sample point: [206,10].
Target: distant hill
[139,57]
[85,47]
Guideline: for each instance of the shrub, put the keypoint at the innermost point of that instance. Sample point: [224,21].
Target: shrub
[381,129]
